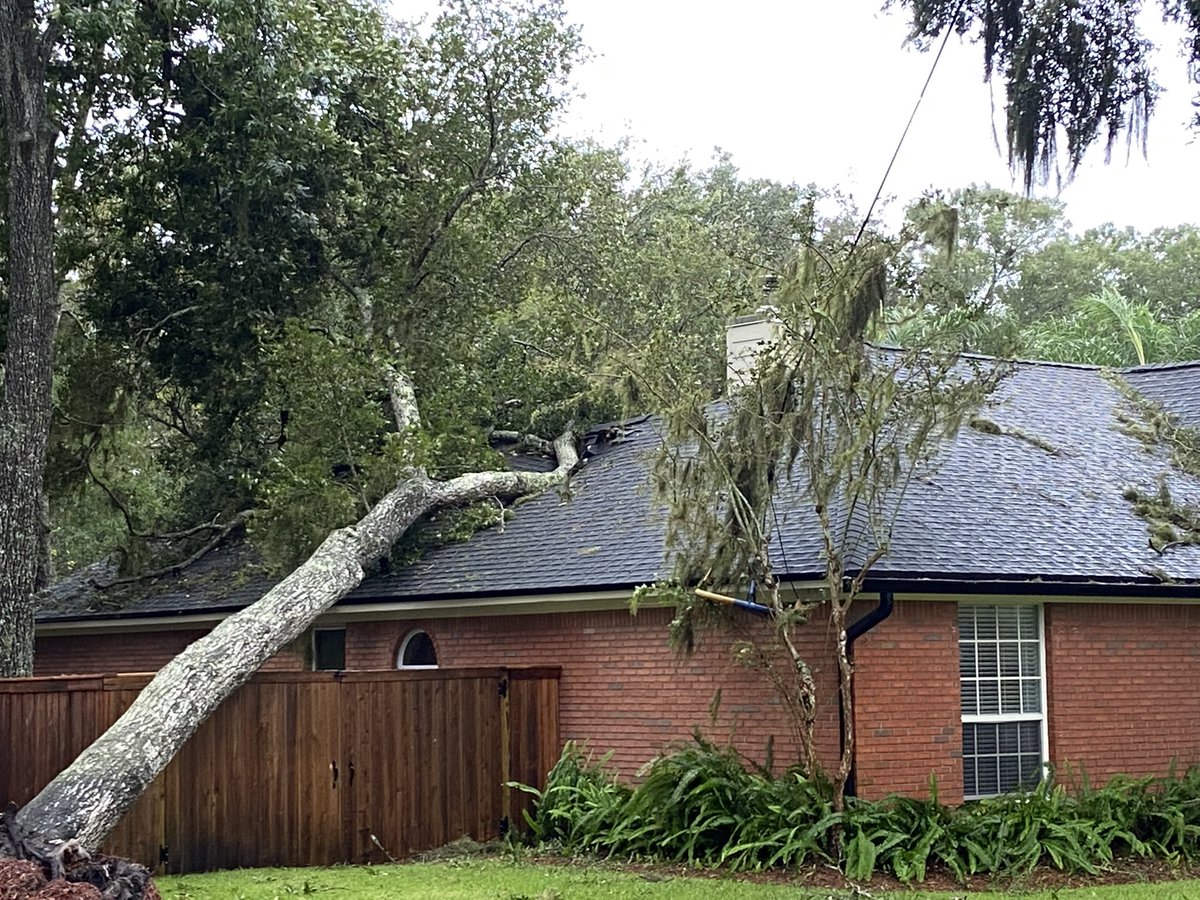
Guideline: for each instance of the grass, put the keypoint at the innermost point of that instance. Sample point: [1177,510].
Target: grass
[508,879]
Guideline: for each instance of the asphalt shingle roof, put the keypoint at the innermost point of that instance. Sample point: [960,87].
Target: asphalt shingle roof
[1001,506]
[226,579]
[997,508]
[1175,386]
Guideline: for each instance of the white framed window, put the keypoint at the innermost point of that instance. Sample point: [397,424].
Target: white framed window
[417,652]
[1002,664]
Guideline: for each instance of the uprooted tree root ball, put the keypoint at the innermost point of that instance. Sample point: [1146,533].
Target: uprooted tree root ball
[101,878]
[28,871]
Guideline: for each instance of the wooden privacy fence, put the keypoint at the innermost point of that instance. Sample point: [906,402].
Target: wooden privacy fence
[305,768]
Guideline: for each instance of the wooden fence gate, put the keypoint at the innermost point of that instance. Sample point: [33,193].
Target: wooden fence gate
[306,768]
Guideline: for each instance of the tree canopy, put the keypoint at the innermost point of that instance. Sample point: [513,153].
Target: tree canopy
[1009,278]
[1078,69]
[269,202]
[309,263]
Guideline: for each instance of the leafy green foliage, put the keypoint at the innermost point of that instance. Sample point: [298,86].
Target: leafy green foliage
[1014,283]
[1079,68]
[581,804]
[976,240]
[637,292]
[700,804]
[1171,522]
[1160,268]
[335,455]
[1107,329]
[830,422]
[271,203]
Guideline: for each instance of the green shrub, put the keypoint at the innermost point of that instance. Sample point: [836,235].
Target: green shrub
[582,803]
[700,804]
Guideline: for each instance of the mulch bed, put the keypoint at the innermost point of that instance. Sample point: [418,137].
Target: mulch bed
[100,878]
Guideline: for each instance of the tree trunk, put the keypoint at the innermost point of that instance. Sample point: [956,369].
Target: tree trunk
[840,610]
[802,698]
[32,316]
[89,797]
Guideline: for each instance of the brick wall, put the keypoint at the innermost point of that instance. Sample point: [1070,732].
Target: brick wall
[907,693]
[1122,687]
[146,651]
[621,689]
[1121,684]
[1121,692]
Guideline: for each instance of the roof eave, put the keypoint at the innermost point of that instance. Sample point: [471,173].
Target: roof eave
[1025,585]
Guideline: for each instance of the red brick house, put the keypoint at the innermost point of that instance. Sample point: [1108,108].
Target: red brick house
[1032,621]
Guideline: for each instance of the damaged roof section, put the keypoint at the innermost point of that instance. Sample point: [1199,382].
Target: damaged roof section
[578,538]
[1034,493]
[605,532]
[229,578]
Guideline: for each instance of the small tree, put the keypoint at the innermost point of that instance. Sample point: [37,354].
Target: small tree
[830,427]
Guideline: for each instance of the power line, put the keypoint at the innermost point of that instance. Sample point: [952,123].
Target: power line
[916,106]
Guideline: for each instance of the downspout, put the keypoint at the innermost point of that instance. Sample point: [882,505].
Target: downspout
[856,630]
[859,627]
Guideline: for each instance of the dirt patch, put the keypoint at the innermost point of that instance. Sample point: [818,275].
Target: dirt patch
[32,868]
[100,878]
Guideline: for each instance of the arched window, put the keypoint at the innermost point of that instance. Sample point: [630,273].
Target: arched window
[417,652]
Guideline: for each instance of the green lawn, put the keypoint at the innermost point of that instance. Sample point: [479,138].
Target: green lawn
[504,879]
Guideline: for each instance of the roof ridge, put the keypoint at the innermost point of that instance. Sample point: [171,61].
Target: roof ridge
[971,354]
[1162,366]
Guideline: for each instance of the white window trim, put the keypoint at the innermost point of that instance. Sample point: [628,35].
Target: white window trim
[1043,716]
[404,646]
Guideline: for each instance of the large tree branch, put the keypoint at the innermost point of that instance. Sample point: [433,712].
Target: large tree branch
[523,441]
[403,398]
[87,800]
[223,531]
[151,330]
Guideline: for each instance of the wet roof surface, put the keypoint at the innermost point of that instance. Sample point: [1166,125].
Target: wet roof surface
[996,508]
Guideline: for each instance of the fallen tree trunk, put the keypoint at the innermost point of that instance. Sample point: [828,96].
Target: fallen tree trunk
[87,800]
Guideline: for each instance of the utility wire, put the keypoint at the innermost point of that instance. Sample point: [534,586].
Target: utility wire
[866,220]
[782,549]
[916,106]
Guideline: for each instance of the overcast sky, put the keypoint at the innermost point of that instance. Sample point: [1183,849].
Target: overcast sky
[819,91]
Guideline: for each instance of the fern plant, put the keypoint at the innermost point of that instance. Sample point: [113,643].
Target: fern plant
[700,804]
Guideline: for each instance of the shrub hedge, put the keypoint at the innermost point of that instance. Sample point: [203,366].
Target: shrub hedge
[701,804]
